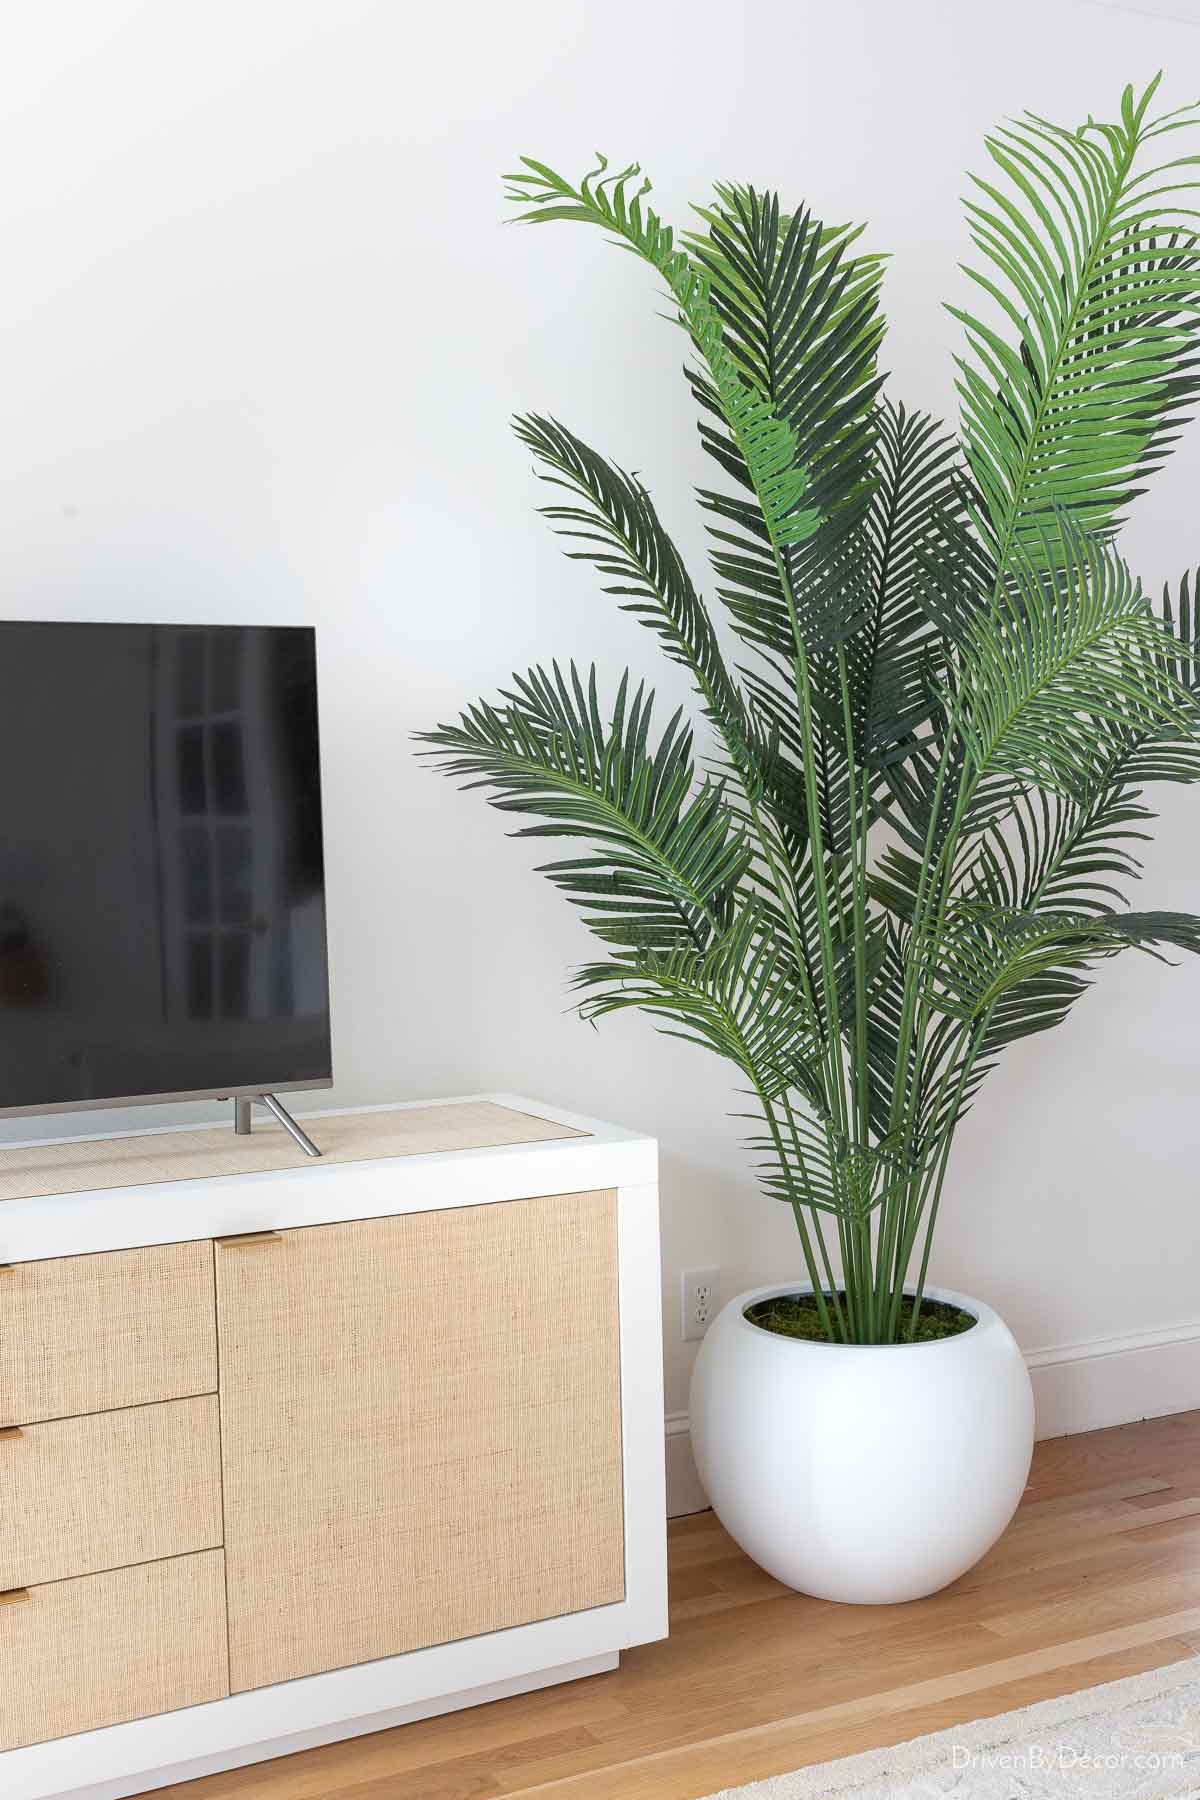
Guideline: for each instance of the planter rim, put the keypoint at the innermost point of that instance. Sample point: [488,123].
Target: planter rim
[985,1320]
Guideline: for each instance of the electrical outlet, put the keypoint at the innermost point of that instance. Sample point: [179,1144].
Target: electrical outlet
[698,1301]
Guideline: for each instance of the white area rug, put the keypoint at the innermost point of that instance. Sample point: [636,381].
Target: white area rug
[1137,1739]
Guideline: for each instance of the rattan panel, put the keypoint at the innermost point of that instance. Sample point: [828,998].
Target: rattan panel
[420,1429]
[80,1495]
[82,1166]
[81,1654]
[81,1334]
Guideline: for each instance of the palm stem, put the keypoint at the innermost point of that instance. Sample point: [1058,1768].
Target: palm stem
[798,1214]
[817,1232]
[942,1163]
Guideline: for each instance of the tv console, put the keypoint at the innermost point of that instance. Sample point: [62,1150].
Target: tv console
[295,1450]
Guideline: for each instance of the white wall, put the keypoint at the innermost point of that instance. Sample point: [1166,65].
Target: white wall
[260,332]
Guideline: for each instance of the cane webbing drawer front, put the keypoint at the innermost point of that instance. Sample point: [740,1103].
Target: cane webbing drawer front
[97,1492]
[421,1430]
[106,1648]
[82,1334]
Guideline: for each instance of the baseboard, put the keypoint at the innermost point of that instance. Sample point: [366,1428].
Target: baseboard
[1110,1381]
[1076,1387]
[684,1492]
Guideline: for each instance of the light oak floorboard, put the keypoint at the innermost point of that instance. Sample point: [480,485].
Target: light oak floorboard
[1097,1578]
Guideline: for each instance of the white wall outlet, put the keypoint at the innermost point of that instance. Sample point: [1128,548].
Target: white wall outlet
[698,1303]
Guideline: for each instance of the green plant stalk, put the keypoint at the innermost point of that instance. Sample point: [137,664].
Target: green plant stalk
[798,1214]
[820,890]
[859,924]
[818,1229]
[911,972]
[942,1164]
[907,1068]
[788,910]
[917,1186]
[818,1233]
[942,882]
[845,1249]
[802,964]
[836,1065]
[858,836]
[816,839]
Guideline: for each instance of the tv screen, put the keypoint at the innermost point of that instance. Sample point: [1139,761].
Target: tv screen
[162,894]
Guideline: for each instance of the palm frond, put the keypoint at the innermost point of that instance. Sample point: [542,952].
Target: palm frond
[613,516]
[1079,854]
[615,202]
[738,997]
[799,307]
[982,956]
[1055,663]
[1087,360]
[1052,853]
[917,498]
[669,853]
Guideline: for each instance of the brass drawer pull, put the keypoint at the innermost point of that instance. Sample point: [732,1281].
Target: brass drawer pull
[10,1431]
[249,1237]
[15,1596]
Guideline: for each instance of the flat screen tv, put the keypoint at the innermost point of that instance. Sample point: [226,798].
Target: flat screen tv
[162,892]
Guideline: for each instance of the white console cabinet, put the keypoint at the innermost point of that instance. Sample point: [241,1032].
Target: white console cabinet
[293,1450]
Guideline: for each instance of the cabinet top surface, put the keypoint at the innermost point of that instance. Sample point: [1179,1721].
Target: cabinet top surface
[138,1159]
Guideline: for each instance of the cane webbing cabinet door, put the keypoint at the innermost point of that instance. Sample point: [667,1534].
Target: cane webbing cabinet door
[421,1431]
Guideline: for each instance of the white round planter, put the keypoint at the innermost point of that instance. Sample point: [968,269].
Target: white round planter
[861,1472]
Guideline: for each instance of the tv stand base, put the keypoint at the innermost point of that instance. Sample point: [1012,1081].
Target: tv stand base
[291,1741]
[241,1120]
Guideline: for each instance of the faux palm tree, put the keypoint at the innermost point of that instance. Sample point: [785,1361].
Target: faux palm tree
[906,837]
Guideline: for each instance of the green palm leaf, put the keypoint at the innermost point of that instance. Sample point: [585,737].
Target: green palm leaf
[982,956]
[765,442]
[737,997]
[668,852]
[1054,664]
[1053,852]
[917,495]
[612,514]
[800,315]
[1093,271]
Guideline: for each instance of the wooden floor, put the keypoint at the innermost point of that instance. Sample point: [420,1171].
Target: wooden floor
[1098,1577]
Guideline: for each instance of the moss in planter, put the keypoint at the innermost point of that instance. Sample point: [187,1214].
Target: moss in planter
[796,1315]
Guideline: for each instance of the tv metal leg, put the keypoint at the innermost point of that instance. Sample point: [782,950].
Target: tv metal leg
[289,1125]
[241,1120]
